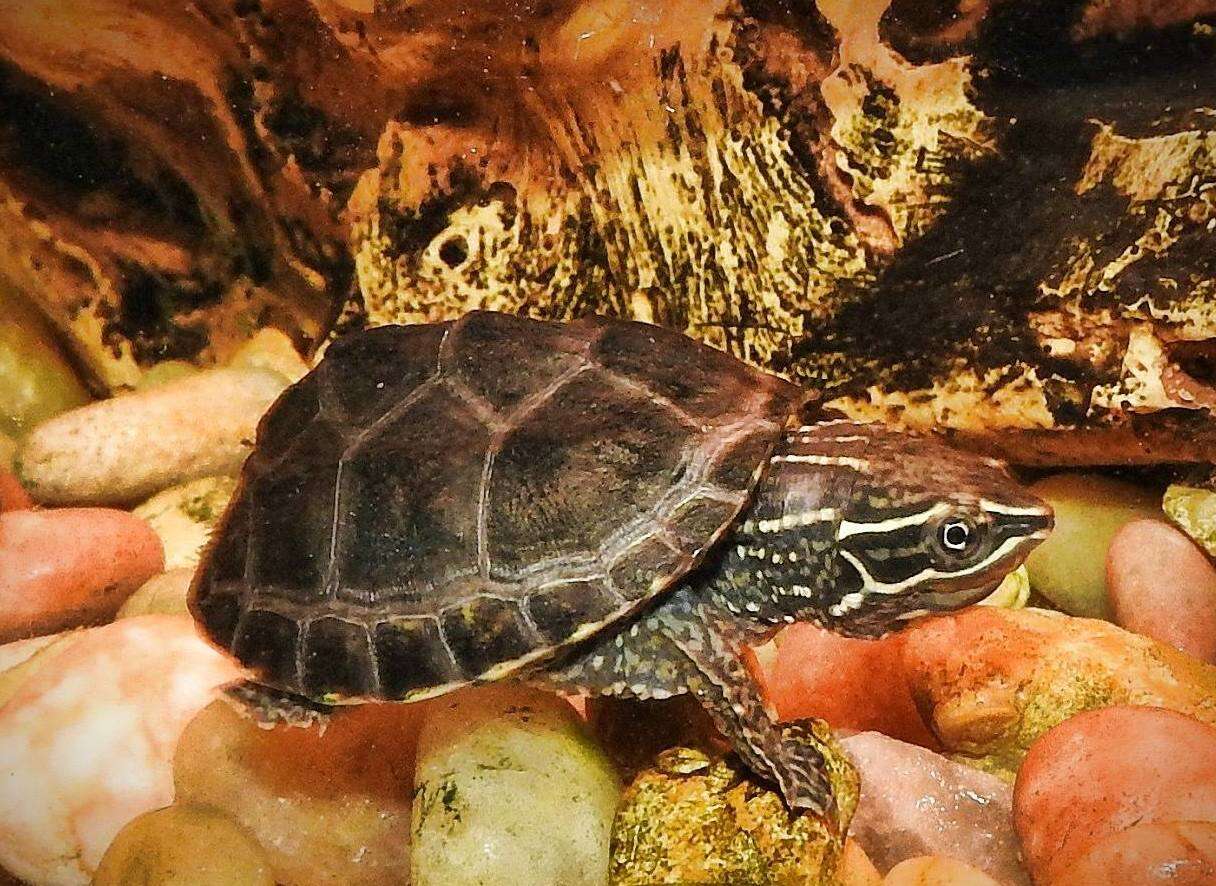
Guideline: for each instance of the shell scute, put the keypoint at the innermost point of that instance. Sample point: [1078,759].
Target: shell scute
[267,642]
[412,657]
[586,459]
[547,349]
[559,612]
[696,521]
[635,572]
[337,658]
[292,514]
[735,465]
[295,409]
[410,498]
[485,632]
[366,374]
[700,379]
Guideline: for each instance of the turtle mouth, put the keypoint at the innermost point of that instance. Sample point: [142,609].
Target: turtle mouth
[945,601]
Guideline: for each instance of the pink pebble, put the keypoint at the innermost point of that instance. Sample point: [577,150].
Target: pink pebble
[1162,585]
[70,567]
[1173,853]
[855,685]
[1104,771]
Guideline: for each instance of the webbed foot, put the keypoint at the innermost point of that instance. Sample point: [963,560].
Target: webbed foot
[801,769]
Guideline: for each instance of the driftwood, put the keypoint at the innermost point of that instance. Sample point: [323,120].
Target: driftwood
[997,220]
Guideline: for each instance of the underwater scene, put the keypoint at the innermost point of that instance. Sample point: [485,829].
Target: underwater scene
[608,442]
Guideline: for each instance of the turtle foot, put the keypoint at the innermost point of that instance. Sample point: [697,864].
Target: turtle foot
[803,777]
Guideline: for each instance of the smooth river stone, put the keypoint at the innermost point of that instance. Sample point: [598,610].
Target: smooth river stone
[36,380]
[184,845]
[992,681]
[510,789]
[1069,568]
[1104,771]
[185,516]
[87,738]
[1174,853]
[937,870]
[915,803]
[128,447]
[70,567]
[13,496]
[1162,585]
[853,684]
[328,799]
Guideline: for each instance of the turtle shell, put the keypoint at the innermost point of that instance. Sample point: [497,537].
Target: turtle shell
[442,504]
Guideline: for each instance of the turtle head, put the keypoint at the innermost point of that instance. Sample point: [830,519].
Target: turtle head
[925,528]
[861,529]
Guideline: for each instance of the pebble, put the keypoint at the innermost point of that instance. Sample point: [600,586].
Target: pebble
[328,800]
[853,684]
[36,381]
[1194,510]
[1069,568]
[1174,853]
[165,371]
[129,447]
[1104,771]
[21,658]
[87,740]
[510,789]
[937,870]
[183,845]
[693,817]
[13,496]
[164,594]
[270,349]
[184,517]
[70,567]
[991,681]
[855,867]
[8,451]
[915,803]
[1163,586]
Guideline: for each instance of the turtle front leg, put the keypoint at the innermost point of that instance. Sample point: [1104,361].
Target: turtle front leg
[685,645]
[789,754]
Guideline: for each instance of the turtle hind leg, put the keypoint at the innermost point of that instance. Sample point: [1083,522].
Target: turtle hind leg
[268,707]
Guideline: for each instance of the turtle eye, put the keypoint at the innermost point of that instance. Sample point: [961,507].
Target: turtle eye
[957,536]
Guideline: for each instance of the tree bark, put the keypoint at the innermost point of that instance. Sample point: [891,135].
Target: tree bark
[996,220]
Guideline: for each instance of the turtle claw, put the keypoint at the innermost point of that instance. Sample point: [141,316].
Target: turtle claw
[803,777]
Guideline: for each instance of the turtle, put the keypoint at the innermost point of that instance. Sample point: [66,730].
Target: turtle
[601,505]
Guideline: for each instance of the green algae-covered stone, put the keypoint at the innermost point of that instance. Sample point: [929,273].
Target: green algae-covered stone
[36,379]
[694,819]
[1194,510]
[510,790]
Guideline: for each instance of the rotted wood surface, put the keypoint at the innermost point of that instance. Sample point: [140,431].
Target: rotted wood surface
[996,219]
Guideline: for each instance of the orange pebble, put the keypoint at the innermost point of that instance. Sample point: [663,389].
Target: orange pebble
[70,567]
[1104,771]
[1172,853]
[852,684]
[13,496]
[1162,585]
[936,870]
[855,868]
